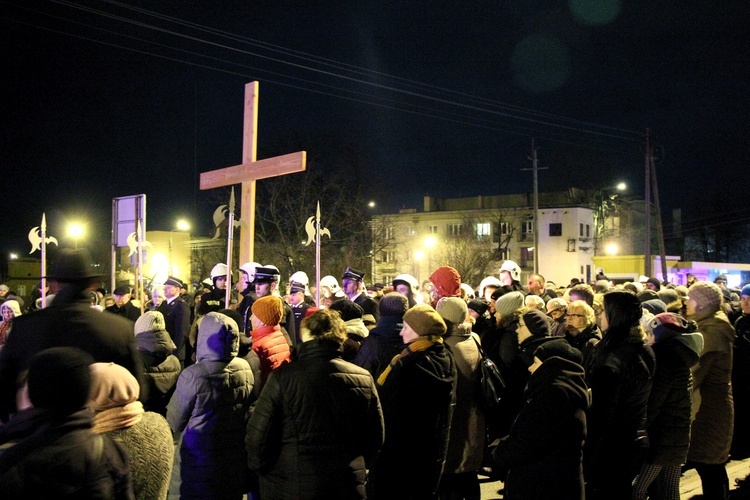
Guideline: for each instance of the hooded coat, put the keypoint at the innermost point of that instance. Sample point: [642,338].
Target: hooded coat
[211,406]
[381,345]
[669,405]
[316,423]
[714,423]
[417,397]
[162,368]
[543,452]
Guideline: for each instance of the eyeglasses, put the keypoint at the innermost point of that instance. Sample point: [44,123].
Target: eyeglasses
[575,315]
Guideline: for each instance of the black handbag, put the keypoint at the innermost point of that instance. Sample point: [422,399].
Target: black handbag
[491,383]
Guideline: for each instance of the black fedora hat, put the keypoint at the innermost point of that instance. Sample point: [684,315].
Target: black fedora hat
[74,265]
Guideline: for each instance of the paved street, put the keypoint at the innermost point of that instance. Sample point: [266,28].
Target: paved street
[690,485]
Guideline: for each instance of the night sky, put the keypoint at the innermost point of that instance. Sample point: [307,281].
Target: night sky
[103,99]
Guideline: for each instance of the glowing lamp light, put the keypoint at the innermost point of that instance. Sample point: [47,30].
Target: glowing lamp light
[418,255]
[75,231]
[430,242]
[371,204]
[13,256]
[611,249]
[621,186]
[182,225]
[159,267]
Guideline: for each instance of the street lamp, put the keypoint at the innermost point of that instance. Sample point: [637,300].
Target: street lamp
[430,243]
[606,204]
[75,231]
[180,225]
[611,249]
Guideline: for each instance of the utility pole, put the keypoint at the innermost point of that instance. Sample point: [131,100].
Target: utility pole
[535,168]
[647,208]
[659,227]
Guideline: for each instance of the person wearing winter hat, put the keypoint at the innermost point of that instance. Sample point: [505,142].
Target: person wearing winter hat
[671,298]
[467,433]
[209,408]
[356,330]
[384,341]
[266,284]
[677,347]
[419,385]
[162,367]
[619,371]
[446,283]
[557,309]
[654,306]
[647,295]
[268,340]
[50,448]
[508,306]
[407,285]
[537,460]
[145,435]
[652,284]
[8,311]
[711,432]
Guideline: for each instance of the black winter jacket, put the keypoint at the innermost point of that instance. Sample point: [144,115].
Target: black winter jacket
[317,422]
[378,349]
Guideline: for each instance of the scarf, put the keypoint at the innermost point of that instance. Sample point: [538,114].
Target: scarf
[420,344]
[118,417]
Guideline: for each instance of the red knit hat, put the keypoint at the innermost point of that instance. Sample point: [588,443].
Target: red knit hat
[447,282]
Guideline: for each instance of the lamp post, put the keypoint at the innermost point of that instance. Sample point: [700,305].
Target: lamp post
[429,243]
[180,225]
[605,204]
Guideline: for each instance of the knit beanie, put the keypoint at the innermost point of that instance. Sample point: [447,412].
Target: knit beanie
[59,380]
[671,298]
[537,323]
[509,303]
[447,282]
[268,309]
[393,304]
[667,325]
[150,321]
[347,309]
[555,304]
[681,290]
[707,297]
[112,385]
[479,305]
[654,306]
[745,290]
[425,320]
[453,309]
[560,348]
[647,295]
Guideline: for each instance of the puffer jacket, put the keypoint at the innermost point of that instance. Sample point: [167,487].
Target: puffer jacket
[714,423]
[467,437]
[272,348]
[162,368]
[211,404]
[669,405]
[317,422]
[418,397]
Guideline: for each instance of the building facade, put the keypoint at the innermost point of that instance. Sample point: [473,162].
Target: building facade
[475,235]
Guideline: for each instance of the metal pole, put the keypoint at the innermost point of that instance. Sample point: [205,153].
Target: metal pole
[647,209]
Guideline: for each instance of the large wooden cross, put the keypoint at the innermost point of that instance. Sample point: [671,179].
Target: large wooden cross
[251,170]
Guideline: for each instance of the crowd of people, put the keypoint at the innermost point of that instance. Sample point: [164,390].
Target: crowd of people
[610,391]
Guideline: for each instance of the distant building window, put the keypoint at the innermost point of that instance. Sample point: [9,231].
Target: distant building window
[588,230]
[482,230]
[409,231]
[580,230]
[387,278]
[454,229]
[388,256]
[389,232]
[527,256]
[555,229]
[504,228]
[503,254]
[528,227]
[433,229]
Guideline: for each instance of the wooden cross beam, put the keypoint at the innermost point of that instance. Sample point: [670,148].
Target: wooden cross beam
[250,170]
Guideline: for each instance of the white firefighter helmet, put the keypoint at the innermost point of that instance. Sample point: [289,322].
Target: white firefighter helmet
[218,271]
[512,269]
[488,281]
[409,280]
[249,269]
[330,282]
[468,291]
[299,277]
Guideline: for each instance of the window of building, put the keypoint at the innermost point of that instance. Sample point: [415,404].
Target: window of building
[409,231]
[389,232]
[387,278]
[527,227]
[482,230]
[555,229]
[527,256]
[580,230]
[388,256]
[588,230]
[454,229]
[504,228]
[433,229]
[503,254]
